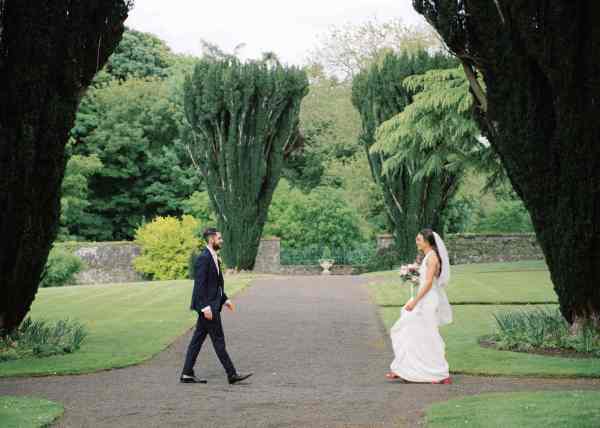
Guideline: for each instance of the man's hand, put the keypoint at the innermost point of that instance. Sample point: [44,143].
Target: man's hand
[208,313]
[230,305]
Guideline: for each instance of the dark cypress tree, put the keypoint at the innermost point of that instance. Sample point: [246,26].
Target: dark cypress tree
[541,64]
[49,53]
[245,121]
[378,95]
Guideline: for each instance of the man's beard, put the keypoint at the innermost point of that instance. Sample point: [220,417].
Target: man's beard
[216,246]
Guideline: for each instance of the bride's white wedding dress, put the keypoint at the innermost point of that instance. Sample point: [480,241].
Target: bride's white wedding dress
[419,349]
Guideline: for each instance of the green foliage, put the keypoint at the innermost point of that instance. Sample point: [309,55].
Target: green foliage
[386,259]
[460,214]
[138,137]
[311,255]
[304,167]
[166,246]
[320,217]
[132,120]
[198,205]
[379,94]
[328,108]
[435,133]
[61,267]
[42,339]
[507,217]
[75,195]
[352,178]
[541,329]
[139,55]
[244,118]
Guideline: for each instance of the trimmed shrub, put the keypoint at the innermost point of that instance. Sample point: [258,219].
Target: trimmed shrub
[61,268]
[167,244]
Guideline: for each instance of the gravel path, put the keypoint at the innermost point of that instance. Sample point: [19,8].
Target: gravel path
[318,351]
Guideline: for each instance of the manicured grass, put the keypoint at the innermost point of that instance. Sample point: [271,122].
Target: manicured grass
[499,283]
[528,265]
[566,409]
[465,355]
[26,412]
[523,282]
[126,323]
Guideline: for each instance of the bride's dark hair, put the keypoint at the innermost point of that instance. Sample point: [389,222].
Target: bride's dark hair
[428,236]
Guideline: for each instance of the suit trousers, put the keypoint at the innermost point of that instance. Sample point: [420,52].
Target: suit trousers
[214,329]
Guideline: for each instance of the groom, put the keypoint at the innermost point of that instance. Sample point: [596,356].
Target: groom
[208,299]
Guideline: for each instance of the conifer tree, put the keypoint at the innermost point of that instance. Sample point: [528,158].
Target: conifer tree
[540,62]
[379,95]
[49,52]
[244,118]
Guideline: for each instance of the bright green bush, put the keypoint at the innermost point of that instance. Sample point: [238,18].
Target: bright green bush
[166,246]
[61,268]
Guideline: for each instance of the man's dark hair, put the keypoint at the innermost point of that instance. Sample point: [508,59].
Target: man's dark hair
[211,231]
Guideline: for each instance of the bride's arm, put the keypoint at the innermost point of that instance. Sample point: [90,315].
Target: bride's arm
[432,267]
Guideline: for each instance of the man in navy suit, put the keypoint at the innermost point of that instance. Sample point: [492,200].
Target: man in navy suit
[208,298]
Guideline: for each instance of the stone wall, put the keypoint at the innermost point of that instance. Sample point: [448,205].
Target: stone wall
[488,248]
[465,248]
[268,257]
[106,262]
[113,261]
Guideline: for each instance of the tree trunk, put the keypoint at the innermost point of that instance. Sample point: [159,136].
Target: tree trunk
[413,206]
[49,53]
[541,65]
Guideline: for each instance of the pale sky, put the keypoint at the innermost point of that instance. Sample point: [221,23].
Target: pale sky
[288,28]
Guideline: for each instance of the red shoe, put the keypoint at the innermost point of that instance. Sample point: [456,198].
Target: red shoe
[447,381]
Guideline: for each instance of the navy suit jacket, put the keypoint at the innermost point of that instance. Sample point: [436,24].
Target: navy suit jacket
[209,286]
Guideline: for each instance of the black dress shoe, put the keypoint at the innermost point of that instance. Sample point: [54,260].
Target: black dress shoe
[238,378]
[191,379]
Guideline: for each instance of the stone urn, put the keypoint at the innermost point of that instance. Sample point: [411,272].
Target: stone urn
[326,264]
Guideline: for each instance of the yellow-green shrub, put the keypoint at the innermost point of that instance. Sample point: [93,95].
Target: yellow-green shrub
[166,245]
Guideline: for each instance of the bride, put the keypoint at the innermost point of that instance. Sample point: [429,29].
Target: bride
[418,347]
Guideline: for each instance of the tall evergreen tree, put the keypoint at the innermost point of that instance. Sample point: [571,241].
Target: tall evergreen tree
[378,94]
[540,61]
[49,53]
[245,122]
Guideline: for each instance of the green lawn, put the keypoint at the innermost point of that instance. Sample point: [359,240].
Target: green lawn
[26,412]
[523,282]
[565,409]
[490,284]
[465,355]
[126,323]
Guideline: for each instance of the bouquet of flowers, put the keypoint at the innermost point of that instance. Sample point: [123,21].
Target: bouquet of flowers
[410,274]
